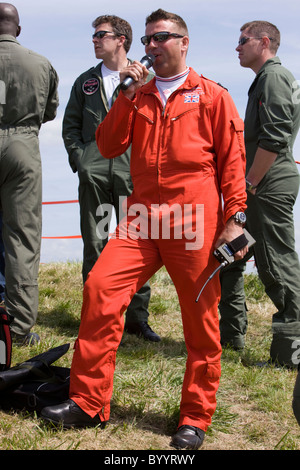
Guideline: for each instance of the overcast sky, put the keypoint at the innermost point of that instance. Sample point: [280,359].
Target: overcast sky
[61,30]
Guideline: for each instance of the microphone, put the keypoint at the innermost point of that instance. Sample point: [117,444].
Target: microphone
[148,61]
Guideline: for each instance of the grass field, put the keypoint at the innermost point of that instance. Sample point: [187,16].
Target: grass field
[254,403]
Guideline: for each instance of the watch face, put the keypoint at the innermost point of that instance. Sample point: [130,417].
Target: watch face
[241,217]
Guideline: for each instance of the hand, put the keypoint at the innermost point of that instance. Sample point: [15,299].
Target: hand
[139,73]
[231,231]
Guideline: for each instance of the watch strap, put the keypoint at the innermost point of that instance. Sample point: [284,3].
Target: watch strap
[238,243]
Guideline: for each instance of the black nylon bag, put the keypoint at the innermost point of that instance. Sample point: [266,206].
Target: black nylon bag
[36,383]
[5,339]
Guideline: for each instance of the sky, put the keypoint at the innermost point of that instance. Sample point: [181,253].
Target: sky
[62,31]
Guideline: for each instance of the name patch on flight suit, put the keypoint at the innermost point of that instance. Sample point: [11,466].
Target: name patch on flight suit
[90,86]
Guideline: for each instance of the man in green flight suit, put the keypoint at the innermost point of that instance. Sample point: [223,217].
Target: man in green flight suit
[271,124]
[28,98]
[103,184]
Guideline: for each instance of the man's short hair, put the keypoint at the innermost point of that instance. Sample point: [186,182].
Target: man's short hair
[264,28]
[120,27]
[165,15]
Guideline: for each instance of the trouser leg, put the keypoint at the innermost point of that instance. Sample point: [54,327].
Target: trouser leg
[270,218]
[189,271]
[21,200]
[123,267]
[232,306]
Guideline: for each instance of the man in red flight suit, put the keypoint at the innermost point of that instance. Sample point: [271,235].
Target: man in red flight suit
[187,151]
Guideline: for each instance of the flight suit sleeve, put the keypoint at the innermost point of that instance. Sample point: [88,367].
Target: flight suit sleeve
[229,146]
[275,112]
[114,134]
[72,125]
[53,100]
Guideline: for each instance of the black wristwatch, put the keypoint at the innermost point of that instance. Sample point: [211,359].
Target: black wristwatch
[240,218]
[250,186]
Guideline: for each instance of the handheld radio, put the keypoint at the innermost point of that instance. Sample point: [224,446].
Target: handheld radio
[225,253]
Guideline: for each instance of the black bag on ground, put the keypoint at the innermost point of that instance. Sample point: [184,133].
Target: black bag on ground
[5,339]
[35,383]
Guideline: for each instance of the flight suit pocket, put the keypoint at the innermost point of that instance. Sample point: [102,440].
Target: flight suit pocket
[213,370]
[238,126]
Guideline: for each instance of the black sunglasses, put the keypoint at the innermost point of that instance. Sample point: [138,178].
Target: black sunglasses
[245,39]
[101,34]
[159,37]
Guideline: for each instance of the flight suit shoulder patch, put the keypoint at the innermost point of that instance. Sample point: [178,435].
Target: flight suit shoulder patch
[90,86]
[220,84]
[216,83]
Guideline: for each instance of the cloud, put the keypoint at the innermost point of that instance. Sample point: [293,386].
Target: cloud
[50,133]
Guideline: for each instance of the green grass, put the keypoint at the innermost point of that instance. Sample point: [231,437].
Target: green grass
[254,404]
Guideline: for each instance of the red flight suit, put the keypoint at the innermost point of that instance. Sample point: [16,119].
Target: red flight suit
[190,153]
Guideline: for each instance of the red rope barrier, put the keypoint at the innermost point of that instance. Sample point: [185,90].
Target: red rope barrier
[55,238]
[61,202]
[67,237]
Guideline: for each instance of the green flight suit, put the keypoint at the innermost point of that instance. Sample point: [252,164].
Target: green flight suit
[272,121]
[102,182]
[28,98]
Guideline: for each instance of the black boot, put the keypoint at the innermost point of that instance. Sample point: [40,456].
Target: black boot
[31,339]
[142,329]
[69,415]
[188,437]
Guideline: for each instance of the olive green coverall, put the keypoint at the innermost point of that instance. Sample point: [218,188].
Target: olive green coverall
[101,182]
[28,98]
[272,121]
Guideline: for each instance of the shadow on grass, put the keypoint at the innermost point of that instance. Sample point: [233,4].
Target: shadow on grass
[61,319]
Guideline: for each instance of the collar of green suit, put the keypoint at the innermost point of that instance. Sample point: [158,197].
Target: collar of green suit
[8,37]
